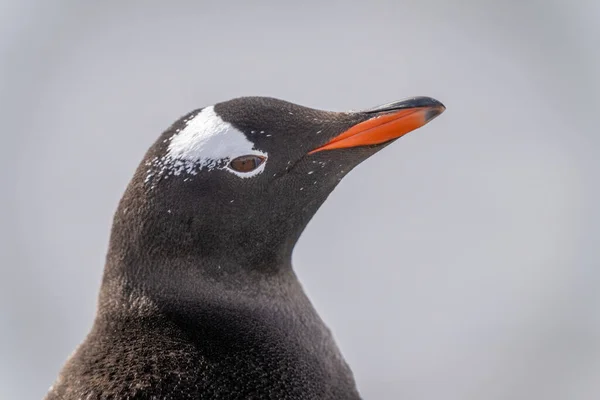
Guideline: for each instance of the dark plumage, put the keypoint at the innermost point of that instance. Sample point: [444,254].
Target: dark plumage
[199,299]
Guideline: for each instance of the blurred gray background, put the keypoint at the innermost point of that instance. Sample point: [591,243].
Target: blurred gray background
[462,262]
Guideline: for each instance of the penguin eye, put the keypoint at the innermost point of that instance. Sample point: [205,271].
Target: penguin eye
[246,163]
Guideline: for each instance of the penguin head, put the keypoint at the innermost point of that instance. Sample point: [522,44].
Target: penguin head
[241,179]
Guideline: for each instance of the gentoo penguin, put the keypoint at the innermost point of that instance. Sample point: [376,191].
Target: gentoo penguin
[199,299]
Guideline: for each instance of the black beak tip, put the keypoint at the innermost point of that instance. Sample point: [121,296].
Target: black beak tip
[421,101]
[433,112]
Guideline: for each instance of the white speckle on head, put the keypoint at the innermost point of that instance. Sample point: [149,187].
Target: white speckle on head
[311,172]
[205,142]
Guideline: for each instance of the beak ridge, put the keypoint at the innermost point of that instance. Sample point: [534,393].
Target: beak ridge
[413,102]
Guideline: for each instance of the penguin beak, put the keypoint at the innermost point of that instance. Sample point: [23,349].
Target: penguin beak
[386,122]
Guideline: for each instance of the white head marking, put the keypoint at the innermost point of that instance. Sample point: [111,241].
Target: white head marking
[206,142]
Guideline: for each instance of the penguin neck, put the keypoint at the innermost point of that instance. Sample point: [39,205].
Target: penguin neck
[139,275]
[192,280]
[191,276]
[191,261]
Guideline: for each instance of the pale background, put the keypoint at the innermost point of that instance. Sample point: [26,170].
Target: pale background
[462,262]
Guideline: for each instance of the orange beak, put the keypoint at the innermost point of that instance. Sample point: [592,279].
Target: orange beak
[390,122]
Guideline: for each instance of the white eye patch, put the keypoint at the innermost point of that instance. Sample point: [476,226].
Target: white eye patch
[207,142]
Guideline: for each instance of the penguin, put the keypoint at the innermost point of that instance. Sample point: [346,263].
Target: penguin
[199,299]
